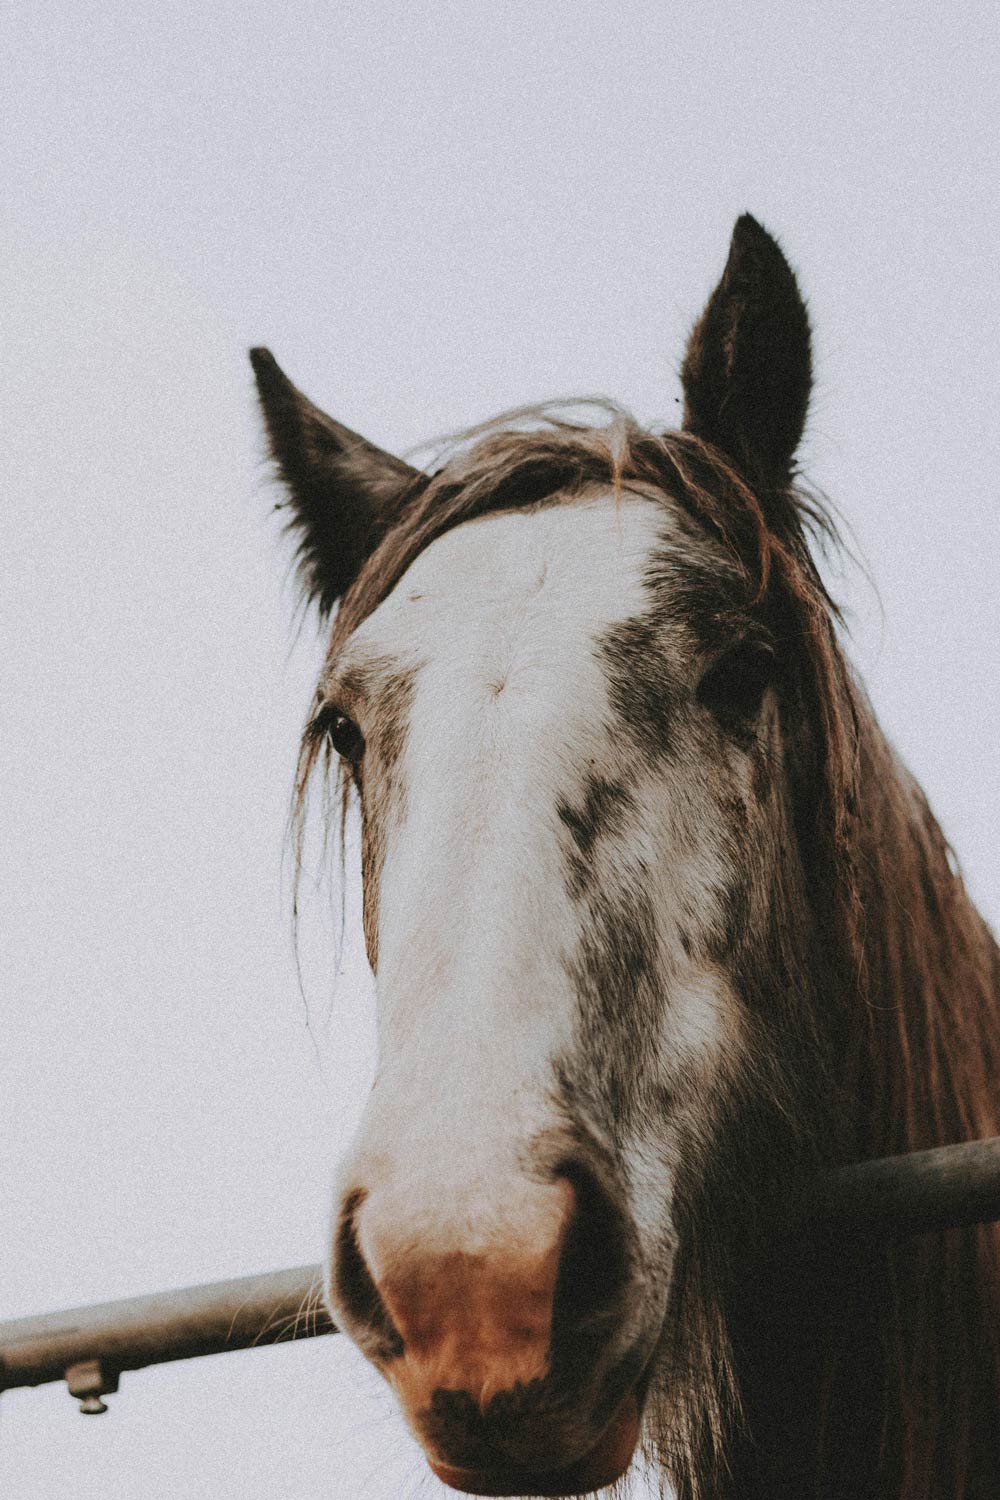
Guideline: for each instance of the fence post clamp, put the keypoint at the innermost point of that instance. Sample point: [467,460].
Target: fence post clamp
[88,1381]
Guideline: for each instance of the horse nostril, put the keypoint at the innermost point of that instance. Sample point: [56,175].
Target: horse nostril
[595,1263]
[357,1295]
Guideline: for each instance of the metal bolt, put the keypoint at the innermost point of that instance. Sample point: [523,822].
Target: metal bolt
[88,1381]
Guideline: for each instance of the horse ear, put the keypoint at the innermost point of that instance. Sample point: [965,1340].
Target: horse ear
[345,493]
[748,369]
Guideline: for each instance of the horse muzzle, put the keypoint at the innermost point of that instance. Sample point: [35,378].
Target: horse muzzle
[506,1354]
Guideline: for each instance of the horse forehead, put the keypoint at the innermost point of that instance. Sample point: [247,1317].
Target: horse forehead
[566,570]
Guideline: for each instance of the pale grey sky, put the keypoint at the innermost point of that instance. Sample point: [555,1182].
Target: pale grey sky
[430,212]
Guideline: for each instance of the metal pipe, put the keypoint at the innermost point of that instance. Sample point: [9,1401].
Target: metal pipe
[208,1319]
[89,1347]
[948,1187]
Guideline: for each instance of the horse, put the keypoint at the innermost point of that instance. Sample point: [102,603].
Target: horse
[661,927]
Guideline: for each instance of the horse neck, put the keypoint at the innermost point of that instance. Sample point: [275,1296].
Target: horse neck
[875,1371]
[923,1067]
[860,1372]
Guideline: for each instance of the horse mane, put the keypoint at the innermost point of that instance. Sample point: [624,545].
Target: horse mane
[901,1384]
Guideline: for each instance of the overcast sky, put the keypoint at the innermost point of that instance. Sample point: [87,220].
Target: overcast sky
[430,212]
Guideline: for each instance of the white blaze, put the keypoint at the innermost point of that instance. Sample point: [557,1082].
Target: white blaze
[498,618]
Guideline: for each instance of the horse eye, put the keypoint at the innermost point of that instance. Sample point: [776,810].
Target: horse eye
[342,733]
[733,687]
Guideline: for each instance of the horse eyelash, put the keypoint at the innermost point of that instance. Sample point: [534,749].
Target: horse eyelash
[319,725]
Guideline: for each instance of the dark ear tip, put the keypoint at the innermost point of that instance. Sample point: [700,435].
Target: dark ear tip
[276,391]
[753,244]
[749,228]
[265,367]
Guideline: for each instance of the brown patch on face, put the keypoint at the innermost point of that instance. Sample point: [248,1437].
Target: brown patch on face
[640,689]
[615,973]
[604,806]
[383,800]
[472,1323]
[382,694]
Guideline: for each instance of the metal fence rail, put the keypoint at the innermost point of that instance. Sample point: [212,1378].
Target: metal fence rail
[89,1347]
[892,1196]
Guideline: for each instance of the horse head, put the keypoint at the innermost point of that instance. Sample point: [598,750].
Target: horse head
[584,685]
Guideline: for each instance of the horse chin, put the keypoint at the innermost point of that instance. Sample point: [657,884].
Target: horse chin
[605,1462]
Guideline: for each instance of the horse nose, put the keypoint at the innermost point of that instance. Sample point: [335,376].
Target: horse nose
[477,1304]
[455,1304]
